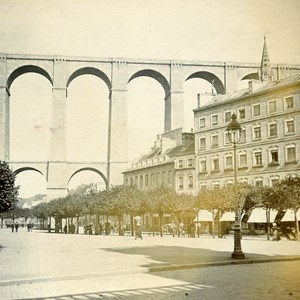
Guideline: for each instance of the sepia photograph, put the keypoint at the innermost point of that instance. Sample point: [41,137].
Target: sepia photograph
[149,149]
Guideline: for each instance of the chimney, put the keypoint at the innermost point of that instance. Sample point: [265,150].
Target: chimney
[250,86]
[198,100]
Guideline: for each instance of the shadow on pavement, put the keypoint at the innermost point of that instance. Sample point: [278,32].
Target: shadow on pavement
[172,255]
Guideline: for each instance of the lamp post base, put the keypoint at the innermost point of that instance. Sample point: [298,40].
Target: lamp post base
[237,255]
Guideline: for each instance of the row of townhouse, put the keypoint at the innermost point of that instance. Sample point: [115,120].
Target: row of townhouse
[268,149]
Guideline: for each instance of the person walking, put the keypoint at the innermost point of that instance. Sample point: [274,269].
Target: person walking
[12,227]
[138,231]
[17,226]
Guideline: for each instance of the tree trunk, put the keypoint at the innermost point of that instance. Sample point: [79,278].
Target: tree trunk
[77,231]
[297,225]
[213,224]
[119,220]
[131,222]
[268,223]
[161,224]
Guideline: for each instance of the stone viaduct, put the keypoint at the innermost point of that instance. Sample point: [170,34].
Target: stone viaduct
[116,74]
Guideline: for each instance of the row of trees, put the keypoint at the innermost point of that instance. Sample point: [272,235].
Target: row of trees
[129,200]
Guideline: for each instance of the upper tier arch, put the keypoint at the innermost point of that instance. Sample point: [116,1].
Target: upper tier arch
[27,69]
[90,71]
[155,75]
[210,77]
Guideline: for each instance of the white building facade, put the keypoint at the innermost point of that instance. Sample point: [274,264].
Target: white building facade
[269,146]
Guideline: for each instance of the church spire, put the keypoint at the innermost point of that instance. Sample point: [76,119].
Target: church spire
[265,67]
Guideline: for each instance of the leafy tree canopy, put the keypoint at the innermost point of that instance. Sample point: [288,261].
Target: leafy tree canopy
[8,191]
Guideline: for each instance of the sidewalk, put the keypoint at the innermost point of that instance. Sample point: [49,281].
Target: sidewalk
[39,264]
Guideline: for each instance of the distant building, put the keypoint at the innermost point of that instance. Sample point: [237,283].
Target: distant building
[170,163]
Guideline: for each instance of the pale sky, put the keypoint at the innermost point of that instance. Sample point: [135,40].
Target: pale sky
[220,30]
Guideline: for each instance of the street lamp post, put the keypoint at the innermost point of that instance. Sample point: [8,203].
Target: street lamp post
[234,133]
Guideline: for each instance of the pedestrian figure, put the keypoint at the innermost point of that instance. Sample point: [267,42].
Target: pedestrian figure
[17,226]
[57,227]
[65,229]
[138,231]
[12,227]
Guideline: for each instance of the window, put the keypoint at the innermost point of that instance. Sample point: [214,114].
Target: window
[243,180]
[202,122]
[243,136]
[216,185]
[257,132]
[274,180]
[290,153]
[273,130]
[256,110]
[228,162]
[243,160]
[190,162]
[257,158]
[273,156]
[289,102]
[163,177]
[290,126]
[228,182]
[203,186]
[214,119]
[146,180]
[152,179]
[272,106]
[131,181]
[214,141]
[170,176]
[227,116]
[180,163]
[157,178]
[226,139]
[202,165]
[136,180]
[242,113]
[202,143]
[180,183]
[215,164]
[191,181]
[258,182]
[141,181]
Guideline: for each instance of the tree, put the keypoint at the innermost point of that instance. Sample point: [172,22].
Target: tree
[8,191]
[288,192]
[132,201]
[268,200]
[161,200]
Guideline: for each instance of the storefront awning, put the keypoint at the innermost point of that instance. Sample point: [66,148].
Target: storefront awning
[229,216]
[289,216]
[204,216]
[259,215]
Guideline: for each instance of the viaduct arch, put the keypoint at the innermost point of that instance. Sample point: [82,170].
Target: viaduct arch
[116,73]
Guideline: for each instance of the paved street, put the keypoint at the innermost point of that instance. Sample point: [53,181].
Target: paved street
[41,265]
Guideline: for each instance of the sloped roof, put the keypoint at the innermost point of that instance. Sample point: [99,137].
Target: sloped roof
[279,83]
[190,149]
[245,92]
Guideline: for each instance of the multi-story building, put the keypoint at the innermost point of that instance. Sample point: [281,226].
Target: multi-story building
[268,150]
[170,163]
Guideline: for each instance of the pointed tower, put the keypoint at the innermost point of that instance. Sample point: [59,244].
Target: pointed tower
[265,66]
